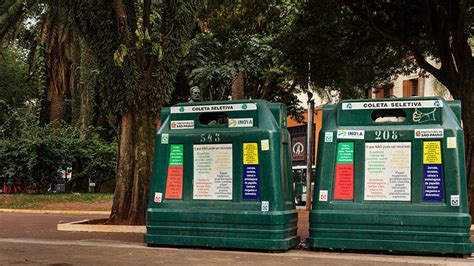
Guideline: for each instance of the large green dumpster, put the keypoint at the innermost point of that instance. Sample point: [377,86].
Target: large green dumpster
[222,177]
[391,176]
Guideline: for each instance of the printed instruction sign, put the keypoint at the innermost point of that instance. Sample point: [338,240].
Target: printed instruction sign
[251,175]
[344,184]
[212,172]
[388,171]
[250,153]
[431,152]
[432,171]
[174,181]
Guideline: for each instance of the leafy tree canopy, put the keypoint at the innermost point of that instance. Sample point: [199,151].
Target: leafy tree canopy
[363,44]
[239,37]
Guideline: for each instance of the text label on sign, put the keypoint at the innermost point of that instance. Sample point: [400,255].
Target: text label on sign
[350,134]
[213,108]
[182,124]
[344,183]
[388,171]
[429,133]
[212,172]
[240,122]
[392,104]
[174,181]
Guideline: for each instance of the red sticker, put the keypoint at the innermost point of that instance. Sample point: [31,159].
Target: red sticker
[344,187]
[174,183]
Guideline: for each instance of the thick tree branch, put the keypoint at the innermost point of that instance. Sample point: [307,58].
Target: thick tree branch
[146,14]
[391,34]
[121,17]
[439,21]
[130,9]
[148,60]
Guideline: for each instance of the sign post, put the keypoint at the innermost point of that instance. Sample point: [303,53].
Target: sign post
[309,157]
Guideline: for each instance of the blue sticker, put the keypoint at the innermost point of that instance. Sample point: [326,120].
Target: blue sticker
[251,182]
[433,182]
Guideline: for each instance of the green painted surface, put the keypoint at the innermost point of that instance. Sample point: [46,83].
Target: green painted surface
[223,221]
[409,223]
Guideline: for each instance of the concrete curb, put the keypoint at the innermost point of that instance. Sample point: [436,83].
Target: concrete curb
[55,212]
[82,226]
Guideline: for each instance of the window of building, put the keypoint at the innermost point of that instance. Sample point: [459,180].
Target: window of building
[413,87]
[384,91]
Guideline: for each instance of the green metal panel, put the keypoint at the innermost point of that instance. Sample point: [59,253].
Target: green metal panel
[208,198]
[407,178]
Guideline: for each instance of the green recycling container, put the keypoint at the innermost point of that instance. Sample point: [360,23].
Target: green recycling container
[222,177]
[391,176]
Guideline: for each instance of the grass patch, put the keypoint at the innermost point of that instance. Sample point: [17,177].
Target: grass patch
[37,201]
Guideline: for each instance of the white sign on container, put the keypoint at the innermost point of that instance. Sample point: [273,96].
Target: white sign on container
[240,122]
[212,172]
[350,134]
[435,133]
[182,124]
[213,108]
[392,104]
[388,171]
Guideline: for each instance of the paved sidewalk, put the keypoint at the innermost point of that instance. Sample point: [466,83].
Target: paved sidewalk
[53,252]
[33,239]
[43,226]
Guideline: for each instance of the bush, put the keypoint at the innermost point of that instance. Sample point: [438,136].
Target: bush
[35,155]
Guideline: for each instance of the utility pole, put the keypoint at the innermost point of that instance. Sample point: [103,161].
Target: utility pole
[309,143]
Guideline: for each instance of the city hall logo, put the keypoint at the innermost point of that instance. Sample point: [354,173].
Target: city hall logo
[429,133]
[182,124]
[350,134]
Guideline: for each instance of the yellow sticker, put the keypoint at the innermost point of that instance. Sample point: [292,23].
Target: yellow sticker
[250,153]
[431,152]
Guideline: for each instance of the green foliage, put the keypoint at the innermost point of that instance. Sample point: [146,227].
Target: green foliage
[343,56]
[98,159]
[240,37]
[16,87]
[120,54]
[95,22]
[157,51]
[35,154]
[356,45]
[140,54]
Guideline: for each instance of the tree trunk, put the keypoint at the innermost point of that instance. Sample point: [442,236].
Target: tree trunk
[238,87]
[135,157]
[86,93]
[468,127]
[57,107]
[136,122]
